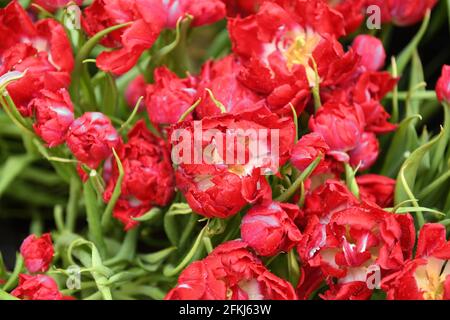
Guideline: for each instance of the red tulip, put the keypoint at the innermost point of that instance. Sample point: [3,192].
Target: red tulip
[221,77]
[37,252]
[443,85]
[40,49]
[427,276]
[91,138]
[408,12]
[147,20]
[376,188]
[54,115]
[307,149]
[277,46]
[366,153]
[203,11]
[38,287]
[371,51]
[341,126]
[230,271]
[169,97]
[227,175]
[270,229]
[134,91]
[53,5]
[149,178]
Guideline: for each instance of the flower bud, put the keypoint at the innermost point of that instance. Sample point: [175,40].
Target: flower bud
[409,12]
[169,97]
[38,287]
[366,153]
[230,271]
[37,252]
[371,51]
[54,114]
[443,85]
[307,149]
[376,188]
[91,138]
[270,229]
[148,179]
[341,127]
[135,90]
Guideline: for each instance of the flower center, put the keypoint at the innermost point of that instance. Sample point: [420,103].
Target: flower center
[430,278]
[300,51]
[252,288]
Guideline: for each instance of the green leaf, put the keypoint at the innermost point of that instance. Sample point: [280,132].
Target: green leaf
[438,151]
[293,267]
[218,104]
[94,40]
[99,272]
[405,56]
[106,218]
[9,77]
[416,77]
[110,95]
[404,188]
[157,257]
[169,221]
[93,216]
[6,296]
[164,51]
[404,141]
[83,54]
[128,249]
[415,209]
[25,3]
[448,14]
[3,271]
[154,293]
[220,43]
[132,115]
[149,215]
[12,168]
[298,182]
[13,278]
[351,180]
[189,110]
[170,271]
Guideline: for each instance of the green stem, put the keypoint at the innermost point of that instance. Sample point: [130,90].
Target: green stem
[93,217]
[107,214]
[132,115]
[208,244]
[316,88]
[189,110]
[394,116]
[351,181]
[188,230]
[12,280]
[418,95]
[72,204]
[128,248]
[293,268]
[435,184]
[83,54]
[298,182]
[6,296]
[170,271]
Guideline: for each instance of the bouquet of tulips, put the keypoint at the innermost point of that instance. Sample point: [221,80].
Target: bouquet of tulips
[224,149]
